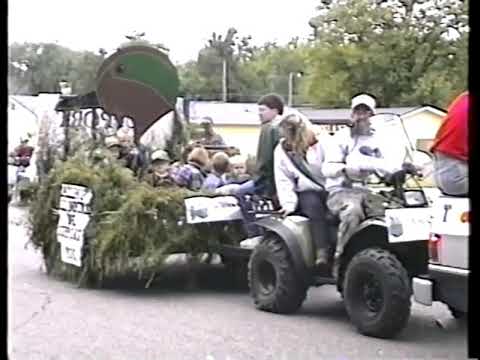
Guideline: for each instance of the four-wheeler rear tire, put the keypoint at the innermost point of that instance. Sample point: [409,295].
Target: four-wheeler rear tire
[274,285]
[377,293]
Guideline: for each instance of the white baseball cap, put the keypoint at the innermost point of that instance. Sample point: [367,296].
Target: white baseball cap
[160,155]
[365,100]
[111,141]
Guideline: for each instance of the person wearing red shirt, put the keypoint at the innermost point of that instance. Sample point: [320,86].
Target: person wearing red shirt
[450,149]
[23,153]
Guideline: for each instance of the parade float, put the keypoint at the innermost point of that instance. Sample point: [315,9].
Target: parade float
[95,218]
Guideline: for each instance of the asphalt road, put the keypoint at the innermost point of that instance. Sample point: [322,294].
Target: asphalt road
[50,319]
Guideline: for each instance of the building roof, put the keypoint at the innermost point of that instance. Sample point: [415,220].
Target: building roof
[434,109]
[224,113]
[337,116]
[247,113]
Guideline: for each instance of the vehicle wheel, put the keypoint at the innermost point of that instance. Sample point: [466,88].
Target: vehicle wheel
[377,293]
[273,282]
[457,314]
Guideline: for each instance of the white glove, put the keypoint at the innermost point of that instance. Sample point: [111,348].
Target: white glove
[285,211]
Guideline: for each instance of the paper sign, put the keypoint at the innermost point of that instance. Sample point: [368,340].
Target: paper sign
[79,193]
[70,204]
[65,234]
[71,254]
[72,219]
[74,216]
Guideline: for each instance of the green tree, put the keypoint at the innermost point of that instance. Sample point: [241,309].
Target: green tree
[253,70]
[38,67]
[403,51]
[269,68]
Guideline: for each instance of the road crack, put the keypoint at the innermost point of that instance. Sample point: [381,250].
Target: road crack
[46,302]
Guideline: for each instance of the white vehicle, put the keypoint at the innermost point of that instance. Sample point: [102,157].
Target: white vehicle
[448,269]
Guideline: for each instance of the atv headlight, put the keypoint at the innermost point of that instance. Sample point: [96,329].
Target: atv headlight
[414,198]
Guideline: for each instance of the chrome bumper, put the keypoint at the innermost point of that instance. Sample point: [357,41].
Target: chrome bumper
[432,268]
[423,291]
[429,288]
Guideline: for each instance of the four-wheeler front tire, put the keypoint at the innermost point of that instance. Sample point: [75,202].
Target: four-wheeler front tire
[377,293]
[273,282]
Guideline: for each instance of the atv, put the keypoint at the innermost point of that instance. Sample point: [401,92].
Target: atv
[373,273]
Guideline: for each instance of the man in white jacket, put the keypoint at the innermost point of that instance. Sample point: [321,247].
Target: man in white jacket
[299,188]
[353,156]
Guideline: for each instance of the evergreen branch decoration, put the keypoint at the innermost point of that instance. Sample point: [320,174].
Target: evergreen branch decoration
[133,228]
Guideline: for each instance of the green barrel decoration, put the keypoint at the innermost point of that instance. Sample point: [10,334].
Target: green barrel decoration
[140,82]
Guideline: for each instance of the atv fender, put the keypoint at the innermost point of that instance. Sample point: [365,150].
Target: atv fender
[370,233]
[378,224]
[374,233]
[298,241]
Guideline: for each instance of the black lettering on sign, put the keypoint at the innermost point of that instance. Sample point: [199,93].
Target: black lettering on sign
[70,253]
[65,119]
[71,219]
[77,118]
[447,208]
[94,119]
[77,235]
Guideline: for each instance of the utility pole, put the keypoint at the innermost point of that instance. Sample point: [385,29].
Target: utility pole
[290,89]
[224,81]
[290,86]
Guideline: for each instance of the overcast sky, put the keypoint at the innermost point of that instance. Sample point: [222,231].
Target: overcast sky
[183,25]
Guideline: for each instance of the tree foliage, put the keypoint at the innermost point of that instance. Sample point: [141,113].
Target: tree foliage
[133,226]
[403,51]
[253,70]
[406,52]
[35,68]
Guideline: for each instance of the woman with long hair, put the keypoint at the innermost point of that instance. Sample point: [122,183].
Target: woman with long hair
[299,189]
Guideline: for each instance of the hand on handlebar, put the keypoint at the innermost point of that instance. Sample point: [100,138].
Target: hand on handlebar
[411,169]
[284,212]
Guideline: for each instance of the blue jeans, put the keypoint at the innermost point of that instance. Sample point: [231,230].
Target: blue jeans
[312,204]
[451,175]
[248,188]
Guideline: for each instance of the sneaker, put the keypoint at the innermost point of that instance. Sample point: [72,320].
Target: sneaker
[250,243]
[321,257]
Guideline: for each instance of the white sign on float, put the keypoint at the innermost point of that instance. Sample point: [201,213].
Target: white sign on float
[71,254]
[203,209]
[74,215]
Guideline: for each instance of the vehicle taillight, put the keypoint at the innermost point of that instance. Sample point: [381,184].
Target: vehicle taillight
[433,247]
[465,217]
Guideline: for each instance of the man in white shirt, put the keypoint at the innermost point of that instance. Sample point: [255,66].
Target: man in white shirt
[354,155]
